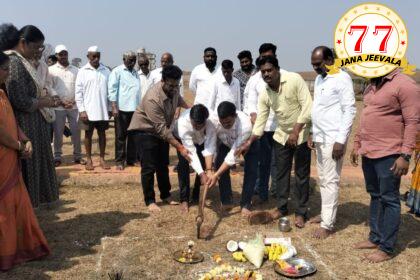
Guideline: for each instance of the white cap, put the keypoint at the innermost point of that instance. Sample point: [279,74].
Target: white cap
[93,49]
[60,48]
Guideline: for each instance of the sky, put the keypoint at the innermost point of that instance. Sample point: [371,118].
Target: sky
[186,27]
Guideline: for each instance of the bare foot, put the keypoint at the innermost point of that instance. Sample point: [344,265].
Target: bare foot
[169,201]
[80,161]
[226,207]
[245,212]
[103,164]
[299,221]
[321,233]
[89,165]
[365,245]
[120,166]
[184,207]
[276,214]
[153,208]
[315,220]
[377,256]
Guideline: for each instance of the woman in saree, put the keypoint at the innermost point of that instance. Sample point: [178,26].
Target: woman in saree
[32,109]
[21,239]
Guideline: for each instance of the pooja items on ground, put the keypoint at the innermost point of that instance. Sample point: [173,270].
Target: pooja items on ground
[284,224]
[227,272]
[294,267]
[239,257]
[189,255]
[254,250]
[276,248]
[232,246]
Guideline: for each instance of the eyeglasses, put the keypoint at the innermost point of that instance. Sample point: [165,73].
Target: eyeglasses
[36,48]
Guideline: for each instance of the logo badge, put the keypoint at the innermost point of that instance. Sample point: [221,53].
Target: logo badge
[371,41]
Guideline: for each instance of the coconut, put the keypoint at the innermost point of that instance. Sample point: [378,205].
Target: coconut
[232,246]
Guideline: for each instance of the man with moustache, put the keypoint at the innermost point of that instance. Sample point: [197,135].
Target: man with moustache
[253,89]
[333,112]
[63,78]
[247,70]
[288,96]
[124,95]
[203,76]
[92,102]
[151,127]
[156,76]
[144,73]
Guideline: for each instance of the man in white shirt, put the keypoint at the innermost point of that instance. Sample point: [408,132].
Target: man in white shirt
[226,88]
[124,95]
[63,78]
[202,77]
[92,102]
[253,89]
[332,114]
[198,134]
[233,128]
[144,73]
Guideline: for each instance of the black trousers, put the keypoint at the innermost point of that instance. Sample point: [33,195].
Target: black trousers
[154,159]
[283,164]
[125,148]
[225,185]
[184,177]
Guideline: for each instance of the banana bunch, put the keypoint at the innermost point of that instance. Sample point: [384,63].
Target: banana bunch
[239,257]
[274,251]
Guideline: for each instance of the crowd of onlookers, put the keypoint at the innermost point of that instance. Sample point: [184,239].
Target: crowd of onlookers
[260,112]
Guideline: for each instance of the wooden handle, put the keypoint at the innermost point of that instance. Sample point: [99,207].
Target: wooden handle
[200,217]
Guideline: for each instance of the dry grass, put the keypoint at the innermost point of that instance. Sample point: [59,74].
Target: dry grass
[105,228]
[102,227]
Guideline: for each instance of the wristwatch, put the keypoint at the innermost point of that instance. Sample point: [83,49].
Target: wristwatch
[406,157]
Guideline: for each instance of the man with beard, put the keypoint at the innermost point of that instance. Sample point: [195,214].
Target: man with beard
[151,127]
[253,89]
[333,112]
[156,76]
[247,70]
[124,95]
[203,78]
[288,96]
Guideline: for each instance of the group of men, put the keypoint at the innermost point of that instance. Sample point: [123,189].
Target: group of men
[261,112]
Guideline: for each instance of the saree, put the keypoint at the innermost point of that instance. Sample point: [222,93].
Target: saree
[21,238]
[39,171]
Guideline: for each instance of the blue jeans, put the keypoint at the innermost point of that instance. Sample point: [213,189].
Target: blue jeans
[250,175]
[265,150]
[385,208]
